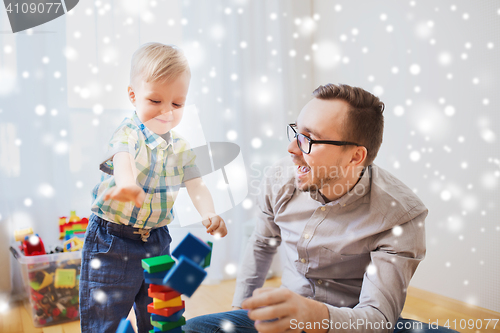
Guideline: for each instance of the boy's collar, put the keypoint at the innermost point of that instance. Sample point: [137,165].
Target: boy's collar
[152,139]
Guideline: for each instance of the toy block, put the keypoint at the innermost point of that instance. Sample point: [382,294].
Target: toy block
[159,304]
[175,330]
[192,248]
[168,325]
[65,278]
[154,278]
[165,312]
[151,281]
[20,234]
[158,288]
[176,316]
[158,264]
[41,280]
[74,233]
[185,277]
[206,261]
[162,295]
[125,326]
[73,244]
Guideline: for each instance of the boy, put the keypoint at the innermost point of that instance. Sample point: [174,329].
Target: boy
[132,205]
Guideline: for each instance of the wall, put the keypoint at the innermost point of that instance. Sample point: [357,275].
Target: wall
[435,66]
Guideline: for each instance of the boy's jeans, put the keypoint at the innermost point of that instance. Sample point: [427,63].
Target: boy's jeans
[112,279]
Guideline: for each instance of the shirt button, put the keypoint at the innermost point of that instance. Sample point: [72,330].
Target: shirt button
[303,260]
[306,236]
[343,205]
[323,208]
[320,281]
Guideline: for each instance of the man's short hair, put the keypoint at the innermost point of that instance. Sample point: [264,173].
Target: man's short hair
[364,123]
[154,62]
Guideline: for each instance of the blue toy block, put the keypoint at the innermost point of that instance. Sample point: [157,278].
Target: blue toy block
[176,316]
[173,330]
[125,326]
[185,277]
[154,278]
[192,248]
[153,281]
[159,275]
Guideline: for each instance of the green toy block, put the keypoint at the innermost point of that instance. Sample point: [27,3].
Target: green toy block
[206,262]
[158,264]
[168,325]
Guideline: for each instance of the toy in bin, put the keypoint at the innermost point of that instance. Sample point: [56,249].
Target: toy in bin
[52,284]
[51,280]
[75,226]
[73,244]
[31,244]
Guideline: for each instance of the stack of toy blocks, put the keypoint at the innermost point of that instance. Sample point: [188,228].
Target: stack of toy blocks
[169,279]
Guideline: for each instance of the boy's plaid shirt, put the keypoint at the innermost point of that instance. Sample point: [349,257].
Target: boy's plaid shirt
[162,165]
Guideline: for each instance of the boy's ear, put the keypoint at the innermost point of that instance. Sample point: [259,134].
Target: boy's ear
[131,95]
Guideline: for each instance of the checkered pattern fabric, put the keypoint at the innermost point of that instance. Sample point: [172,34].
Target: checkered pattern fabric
[163,165]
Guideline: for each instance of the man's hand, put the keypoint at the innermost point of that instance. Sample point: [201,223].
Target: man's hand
[235,308]
[215,224]
[274,308]
[127,193]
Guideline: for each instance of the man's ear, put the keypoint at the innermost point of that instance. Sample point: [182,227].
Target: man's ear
[359,156]
[131,95]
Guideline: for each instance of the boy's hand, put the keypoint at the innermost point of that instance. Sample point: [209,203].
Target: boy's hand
[215,224]
[127,193]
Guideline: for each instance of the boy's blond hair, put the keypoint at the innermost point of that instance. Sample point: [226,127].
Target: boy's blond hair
[154,62]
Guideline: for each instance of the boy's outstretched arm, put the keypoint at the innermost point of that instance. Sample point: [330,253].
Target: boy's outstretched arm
[202,200]
[125,174]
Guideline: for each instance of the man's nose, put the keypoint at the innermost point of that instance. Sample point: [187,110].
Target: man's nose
[293,148]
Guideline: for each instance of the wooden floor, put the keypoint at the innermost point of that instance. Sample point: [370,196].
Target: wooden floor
[420,305]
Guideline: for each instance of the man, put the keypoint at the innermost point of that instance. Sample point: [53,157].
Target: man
[353,234]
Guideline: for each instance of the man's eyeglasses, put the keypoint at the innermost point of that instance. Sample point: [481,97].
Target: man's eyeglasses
[305,142]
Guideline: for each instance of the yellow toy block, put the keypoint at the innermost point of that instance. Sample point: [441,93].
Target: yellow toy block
[47,280]
[73,244]
[159,304]
[65,278]
[73,217]
[21,233]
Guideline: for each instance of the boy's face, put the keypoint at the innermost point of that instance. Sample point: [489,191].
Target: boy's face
[159,105]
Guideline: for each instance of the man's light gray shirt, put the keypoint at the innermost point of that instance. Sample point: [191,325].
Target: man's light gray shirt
[356,254]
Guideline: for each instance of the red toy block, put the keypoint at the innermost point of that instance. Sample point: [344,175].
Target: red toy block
[163,295]
[156,288]
[165,312]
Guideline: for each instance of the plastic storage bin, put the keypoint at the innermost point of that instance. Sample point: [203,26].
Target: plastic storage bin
[51,282]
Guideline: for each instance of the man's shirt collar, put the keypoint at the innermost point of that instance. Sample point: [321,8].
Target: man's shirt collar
[359,190]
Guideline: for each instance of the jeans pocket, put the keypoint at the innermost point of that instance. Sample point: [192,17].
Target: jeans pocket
[108,257]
